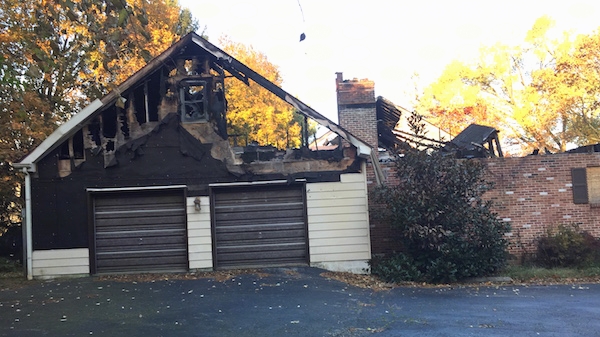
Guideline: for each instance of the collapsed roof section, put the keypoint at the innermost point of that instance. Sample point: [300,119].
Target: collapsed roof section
[189,74]
[394,128]
[476,141]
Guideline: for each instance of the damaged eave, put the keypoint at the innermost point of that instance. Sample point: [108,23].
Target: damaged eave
[71,126]
[63,132]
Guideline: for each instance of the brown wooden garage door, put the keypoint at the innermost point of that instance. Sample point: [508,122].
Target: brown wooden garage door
[257,226]
[142,231]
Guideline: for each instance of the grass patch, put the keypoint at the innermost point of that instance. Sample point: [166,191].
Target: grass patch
[550,275]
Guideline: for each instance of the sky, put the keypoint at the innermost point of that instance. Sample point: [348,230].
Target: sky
[387,41]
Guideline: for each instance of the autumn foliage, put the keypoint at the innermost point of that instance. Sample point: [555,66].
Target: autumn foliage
[540,94]
[57,55]
[253,113]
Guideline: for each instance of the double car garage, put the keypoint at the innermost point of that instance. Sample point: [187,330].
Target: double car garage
[145,230]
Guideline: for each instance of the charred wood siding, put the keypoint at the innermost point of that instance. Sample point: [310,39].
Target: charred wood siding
[140,232]
[165,157]
[260,226]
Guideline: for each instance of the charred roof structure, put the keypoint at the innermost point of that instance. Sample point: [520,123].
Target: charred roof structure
[476,141]
[397,126]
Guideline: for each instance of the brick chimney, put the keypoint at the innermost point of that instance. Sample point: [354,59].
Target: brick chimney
[356,108]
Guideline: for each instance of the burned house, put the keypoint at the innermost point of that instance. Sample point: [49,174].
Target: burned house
[146,180]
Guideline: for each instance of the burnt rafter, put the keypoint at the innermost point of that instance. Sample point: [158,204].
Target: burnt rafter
[237,68]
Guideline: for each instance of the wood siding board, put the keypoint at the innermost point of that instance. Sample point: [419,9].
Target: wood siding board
[335,226]
[60,253]
[60,262]
[62,270]
[334,210]
[332,187]
[338,217]
[352,178]
[201,256]
[345,233]
[314,199]
[197,217]
[199,241]
[80,261]
[199,249]
[355,240]
[334,257]
[335,202]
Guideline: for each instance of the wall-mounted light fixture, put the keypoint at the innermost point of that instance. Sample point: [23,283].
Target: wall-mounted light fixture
[197,204]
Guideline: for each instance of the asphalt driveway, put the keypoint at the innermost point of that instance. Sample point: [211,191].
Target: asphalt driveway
[293,302]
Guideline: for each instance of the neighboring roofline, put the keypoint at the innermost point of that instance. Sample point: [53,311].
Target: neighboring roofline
[228,62]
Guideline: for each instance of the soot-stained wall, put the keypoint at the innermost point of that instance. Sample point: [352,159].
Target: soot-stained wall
[168,155]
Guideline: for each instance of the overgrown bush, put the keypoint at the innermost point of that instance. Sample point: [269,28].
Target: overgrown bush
[448,232]
[396,268]
[566,245]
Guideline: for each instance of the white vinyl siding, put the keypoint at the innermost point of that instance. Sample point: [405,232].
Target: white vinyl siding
[59,262]
[199,234]
[338,223]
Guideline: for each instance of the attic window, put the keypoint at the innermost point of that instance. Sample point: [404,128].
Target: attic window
[193,101]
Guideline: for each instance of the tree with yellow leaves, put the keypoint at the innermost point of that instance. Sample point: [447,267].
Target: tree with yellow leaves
[254,114]
[541,94]
[56,55]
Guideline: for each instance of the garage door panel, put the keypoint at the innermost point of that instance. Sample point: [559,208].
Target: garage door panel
[172,249]
[265,216]
[249,246]
[148,222]
[257,207]
[140,198]
[156,214]
[254,194]
[262,225]
[257,259]
[123,265]
[265,235]
[109,242]
[140,231]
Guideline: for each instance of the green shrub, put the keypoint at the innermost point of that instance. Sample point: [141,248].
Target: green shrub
[9,265]
[396,268]
[448,232]
[568,246]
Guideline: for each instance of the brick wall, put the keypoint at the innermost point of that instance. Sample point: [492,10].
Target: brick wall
[384,239]
[356,108]
[532,193]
